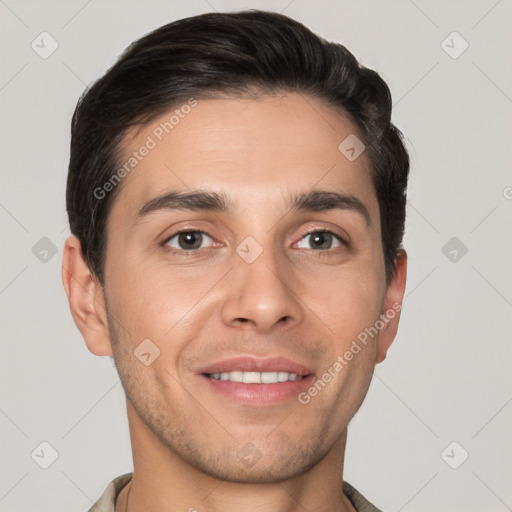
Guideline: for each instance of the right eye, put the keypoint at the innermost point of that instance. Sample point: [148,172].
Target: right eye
[188,241]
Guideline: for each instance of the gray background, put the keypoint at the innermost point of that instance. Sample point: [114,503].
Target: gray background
[447,377]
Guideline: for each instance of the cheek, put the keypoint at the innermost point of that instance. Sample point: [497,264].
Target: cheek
[161,302]
[346,301]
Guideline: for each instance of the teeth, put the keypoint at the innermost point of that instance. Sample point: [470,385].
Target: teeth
[252,378]
[269,378]
[255,377]
[236,376]
[282,376]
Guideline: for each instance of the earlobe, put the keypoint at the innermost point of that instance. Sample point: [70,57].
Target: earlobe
[392,306]
[85,297]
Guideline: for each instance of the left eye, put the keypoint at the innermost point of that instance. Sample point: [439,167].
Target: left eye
[320,240]
[188,240]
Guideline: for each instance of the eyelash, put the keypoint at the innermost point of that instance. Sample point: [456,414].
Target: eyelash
[193,252]
[181,252]
[325,230]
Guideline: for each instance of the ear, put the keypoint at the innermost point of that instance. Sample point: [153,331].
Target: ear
[86,299]
[392,306]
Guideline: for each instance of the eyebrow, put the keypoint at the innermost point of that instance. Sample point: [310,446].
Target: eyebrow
[198,200]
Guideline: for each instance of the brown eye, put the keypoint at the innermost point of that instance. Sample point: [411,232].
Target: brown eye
[188,240]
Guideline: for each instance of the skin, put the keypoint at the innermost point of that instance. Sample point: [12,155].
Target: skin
[295,300]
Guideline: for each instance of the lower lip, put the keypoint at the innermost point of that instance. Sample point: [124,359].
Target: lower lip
[260,394]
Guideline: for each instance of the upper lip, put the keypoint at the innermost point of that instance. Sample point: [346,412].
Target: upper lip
[256,364]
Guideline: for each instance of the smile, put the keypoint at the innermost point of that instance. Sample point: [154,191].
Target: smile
[255,377]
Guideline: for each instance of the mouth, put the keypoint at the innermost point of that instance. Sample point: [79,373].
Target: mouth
[257,382]
[255,377]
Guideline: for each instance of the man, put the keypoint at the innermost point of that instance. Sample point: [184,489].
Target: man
[236,197]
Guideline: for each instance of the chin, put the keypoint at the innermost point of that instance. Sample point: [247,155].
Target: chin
[250,466]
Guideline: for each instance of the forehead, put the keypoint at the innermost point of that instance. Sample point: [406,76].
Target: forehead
[254,150]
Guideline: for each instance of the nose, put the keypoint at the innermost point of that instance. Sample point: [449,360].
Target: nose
[260,296]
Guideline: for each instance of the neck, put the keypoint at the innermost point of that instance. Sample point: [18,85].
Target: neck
[162,481]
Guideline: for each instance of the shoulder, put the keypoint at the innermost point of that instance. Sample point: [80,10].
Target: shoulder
[361,504]
[107,501]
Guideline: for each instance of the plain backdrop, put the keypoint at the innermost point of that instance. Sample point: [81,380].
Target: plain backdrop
[434,431]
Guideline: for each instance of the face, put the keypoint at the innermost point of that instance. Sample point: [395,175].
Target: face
[271,267]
